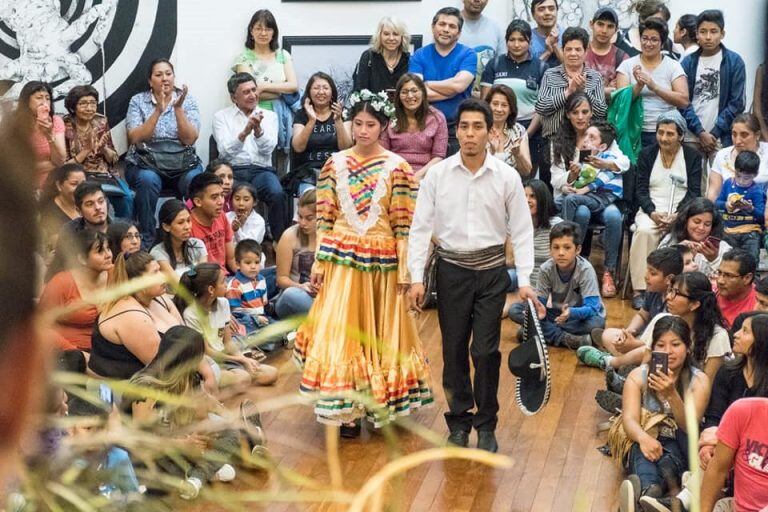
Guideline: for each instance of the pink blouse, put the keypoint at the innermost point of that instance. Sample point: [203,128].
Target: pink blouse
[418,148]
[40,142]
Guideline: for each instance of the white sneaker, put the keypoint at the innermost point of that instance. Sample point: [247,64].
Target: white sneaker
[226,473]
[190,488]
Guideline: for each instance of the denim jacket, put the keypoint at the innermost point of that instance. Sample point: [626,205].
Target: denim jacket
[732,97]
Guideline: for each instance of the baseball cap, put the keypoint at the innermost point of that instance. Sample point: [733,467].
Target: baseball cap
[606,13]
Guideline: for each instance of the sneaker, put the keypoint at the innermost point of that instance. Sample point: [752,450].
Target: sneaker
[608,401]
[574,341]
[609,285]
[638,301]
[459,438]
[671,504]
[591,356]
[190,488]
[629,493]
[614,381]
[596,336]
[226,473]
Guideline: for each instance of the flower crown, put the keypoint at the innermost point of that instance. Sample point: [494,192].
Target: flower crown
[379,102]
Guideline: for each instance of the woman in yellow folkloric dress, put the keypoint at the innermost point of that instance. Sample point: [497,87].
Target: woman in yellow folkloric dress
[359,335]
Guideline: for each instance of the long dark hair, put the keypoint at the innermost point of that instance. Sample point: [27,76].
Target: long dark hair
[115,234]
[197,280]
[160,60]
[695,207]
[545,204]
[168,213]
[266,17]
[678,326]
[58,176]
[706,317]
[320,76]
[31,88]
[758,355]
[564,141]
[421,112]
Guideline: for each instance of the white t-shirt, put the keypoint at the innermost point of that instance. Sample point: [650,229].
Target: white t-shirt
[218,320]
[706,92]
[664,74]
[254,227]
[724,163]
[719,344]
[197,253]
[485,37]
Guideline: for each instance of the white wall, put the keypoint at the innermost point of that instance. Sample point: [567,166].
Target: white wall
[211,34]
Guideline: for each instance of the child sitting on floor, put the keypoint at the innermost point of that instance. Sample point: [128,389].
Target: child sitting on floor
[568,285]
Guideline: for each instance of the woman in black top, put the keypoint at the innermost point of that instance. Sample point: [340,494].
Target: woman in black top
[382,65]
[57,203]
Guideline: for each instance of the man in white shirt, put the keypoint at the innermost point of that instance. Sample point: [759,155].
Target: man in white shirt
[246,136]
[470,202]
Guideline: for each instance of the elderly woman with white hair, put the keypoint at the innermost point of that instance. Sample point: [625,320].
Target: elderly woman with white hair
[382,65]
[668,177]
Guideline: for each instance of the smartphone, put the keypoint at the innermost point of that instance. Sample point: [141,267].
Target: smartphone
[713,241]
[659,362]
[584,154]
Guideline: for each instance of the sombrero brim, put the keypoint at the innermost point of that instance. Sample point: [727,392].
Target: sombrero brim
[530,363]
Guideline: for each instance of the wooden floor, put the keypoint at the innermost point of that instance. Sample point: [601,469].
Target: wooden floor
[556,465]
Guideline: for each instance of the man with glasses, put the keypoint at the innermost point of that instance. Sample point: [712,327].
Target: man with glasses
[735,285]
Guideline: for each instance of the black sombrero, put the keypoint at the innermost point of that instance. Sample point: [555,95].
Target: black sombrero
[530,364]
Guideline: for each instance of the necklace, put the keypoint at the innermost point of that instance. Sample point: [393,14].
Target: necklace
[392,63]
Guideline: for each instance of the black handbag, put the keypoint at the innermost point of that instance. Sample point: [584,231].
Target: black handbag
[170,158]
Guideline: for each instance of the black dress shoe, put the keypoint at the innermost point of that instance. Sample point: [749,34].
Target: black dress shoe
[486,440]
[350,431]
[459,438]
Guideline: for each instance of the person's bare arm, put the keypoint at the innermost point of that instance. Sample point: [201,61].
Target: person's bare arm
[677,96]
[715,475]
[138,334]
[230,256]
[284,260]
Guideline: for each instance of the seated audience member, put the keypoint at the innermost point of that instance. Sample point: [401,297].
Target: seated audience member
[571,283]
[548,35]
[223,170]
[318,131]
[562,82]
[418,132]
[89,143]
[246,223]
[542,208]
[565,171]
[602,55]
[209,223]
[247,290]
[745,133]
[295,256]
[662,266]
[508,139]
[57,202]
[656,463]
[689,264]
[742,203]
[123,237]
[716,83]
[741,444]
[162,117]
[761,292]
[656,78]
[447,67]
[246,136]
[668,177]
[381,66]
[699,227]
[176,250]
[736,284]
[35,109]
[691,298]
[211,316]
[684,35]
[79,281]
[126,336]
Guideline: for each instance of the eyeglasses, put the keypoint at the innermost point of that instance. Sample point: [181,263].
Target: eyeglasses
[133,236]
[672,293]
[87,103]
[263,30]
[410,92]
[650,40]
[727,275]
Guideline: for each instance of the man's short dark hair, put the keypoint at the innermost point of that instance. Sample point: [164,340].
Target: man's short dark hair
[668,260]
[448,11]
[747,262]
[565,228]
[246,246]
[747,162]
[713,16]
[576,34]
[521,26]
[657,24]
[535,3]
[475,105]
[202,181]
[237,79]
[85,189]
[761,286]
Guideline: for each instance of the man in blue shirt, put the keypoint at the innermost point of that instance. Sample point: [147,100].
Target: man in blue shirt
[447,68]
[547,37]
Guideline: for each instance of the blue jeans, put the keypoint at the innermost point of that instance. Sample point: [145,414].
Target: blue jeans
[120,197]
[612,220]
[269,190]
[553,332]
[749,242]
[293,301]
[594,203]
[148,184]
[669,468]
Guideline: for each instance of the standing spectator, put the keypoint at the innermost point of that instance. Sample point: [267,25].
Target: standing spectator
[246,135]
[629,40]
[447,68]
[742,203]
[89,143]
[548,36]
[658,79]
[418,132]
[760,100]
[716,82]
[668,176]
[209,223]
[158,118]
[736,285]
[684,35]
[562,81]
[482,34]
[176,251]
[382,65]
[602,55]
[508,139]
[35,106]
[745,133]
[521,72]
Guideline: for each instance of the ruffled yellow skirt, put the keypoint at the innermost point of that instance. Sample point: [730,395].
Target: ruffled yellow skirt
[359,337]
